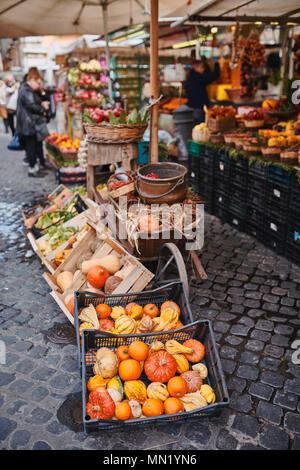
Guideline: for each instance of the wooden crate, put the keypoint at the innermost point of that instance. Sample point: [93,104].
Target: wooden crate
[79,221]
[136,281]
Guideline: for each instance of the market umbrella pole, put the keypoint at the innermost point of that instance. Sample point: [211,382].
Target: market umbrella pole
[154,81]
[107,52]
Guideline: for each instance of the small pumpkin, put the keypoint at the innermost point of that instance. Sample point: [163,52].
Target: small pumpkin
[100,405]
[115,395]
[60,256]
[160,366]
[130,369]
[208,393]
[146,325]
[116,383]
[193,380]
[202,369]
[95,382]
[198,350]
[125,325]
[182,363]
[85,326]
[158,390]
[177,386]
[117,311]
[136,409]
[106,363]
[135,390]
[148,223]
[153,407]
[174,347]
[123,411]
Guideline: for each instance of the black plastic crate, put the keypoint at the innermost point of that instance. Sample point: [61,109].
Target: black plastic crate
[238,192]
[200,330]
[239,177]
[277,196]
[240,223]
[173,291]
[207,164]
[274,227]
[256,198]
[237,207]
[222,186]
[277,174]
[295,199]
[222,165]
[275,243]
[256,168]
[221,200]
[293,230]
[221,213]
[240,162]
[255,223]
[256,183]
[292,252]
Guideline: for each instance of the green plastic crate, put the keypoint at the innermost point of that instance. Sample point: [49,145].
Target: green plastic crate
[195,148]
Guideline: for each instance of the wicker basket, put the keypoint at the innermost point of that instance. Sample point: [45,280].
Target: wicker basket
[68,156]
[220,125]
[255,124]
[107,133]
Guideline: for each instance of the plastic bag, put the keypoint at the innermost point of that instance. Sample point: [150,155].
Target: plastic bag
[15,143]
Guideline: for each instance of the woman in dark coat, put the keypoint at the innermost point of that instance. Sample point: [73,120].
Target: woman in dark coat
[30,112]
[199,77]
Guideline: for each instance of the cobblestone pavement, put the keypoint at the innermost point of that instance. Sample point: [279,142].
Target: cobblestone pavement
[251,296]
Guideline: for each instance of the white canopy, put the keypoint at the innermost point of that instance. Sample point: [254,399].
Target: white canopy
[43,17]
[274,9]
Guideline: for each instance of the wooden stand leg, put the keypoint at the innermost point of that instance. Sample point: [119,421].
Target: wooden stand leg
[90,181]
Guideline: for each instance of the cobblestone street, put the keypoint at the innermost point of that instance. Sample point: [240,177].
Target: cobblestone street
[252,297]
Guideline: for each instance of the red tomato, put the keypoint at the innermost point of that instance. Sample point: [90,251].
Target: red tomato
[97,276]
[106,324]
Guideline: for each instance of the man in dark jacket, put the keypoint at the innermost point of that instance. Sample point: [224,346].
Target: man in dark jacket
[30,112]
[195,87]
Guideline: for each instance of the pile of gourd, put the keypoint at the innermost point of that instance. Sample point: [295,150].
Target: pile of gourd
[174,371]
[131,319]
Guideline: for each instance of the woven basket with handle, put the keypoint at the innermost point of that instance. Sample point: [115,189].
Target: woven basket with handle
[107,133]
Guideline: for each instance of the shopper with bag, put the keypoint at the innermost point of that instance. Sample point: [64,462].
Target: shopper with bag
[3,111]
[31,122]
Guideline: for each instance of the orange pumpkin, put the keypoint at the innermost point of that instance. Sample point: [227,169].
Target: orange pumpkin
[60,256]
[70,305]
[177,387]
[100,405]
[123,411]
[151,310]
[160,366]
[138,350]
[198,350]
[173,405]
[103,310]
[130,369]
[153,407]
[122,353]
[148,223]
[193,380]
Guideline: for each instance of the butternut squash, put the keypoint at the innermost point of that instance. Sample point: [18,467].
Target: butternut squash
[64,280]
[109,262]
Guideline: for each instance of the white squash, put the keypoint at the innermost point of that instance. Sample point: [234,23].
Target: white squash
[109,262]
[64,280]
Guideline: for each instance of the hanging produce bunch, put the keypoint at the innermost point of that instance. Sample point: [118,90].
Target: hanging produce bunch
[253,57]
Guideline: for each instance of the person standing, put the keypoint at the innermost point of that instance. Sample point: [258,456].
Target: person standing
[30,114]
[198,79]
[11,101]
[3,111]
